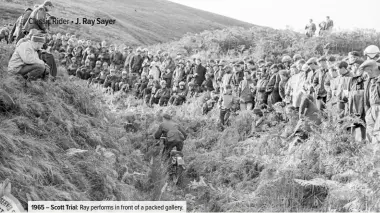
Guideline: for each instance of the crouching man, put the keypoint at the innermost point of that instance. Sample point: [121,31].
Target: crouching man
[25,60]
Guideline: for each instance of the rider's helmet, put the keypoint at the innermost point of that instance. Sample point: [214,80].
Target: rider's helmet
[182,83]
[371,51]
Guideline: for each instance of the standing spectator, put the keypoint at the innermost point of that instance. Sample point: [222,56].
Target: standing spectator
[273,86]
[17,33]
[37,19]
[319,83]
[329,24]
[310,29]
[117,58]
[136,62]
[154,70]
[245,93]
[199,72]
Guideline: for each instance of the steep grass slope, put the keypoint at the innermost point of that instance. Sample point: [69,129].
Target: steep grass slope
[137,21]
[59,141]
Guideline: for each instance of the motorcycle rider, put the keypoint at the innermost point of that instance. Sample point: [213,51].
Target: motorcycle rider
[174,133]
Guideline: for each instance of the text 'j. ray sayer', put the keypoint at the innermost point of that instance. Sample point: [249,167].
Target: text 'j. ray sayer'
[98,21]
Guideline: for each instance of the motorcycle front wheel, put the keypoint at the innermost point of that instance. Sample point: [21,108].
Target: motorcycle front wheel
[178,178]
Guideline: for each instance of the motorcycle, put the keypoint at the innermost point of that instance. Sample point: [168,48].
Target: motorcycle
[177,167]
[176,163]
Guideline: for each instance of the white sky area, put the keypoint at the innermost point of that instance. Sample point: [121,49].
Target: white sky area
[295,13]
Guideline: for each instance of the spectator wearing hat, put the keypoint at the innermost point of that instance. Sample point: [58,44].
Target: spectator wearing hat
[199,72]
[339,87]
[245,92]
[309,72]
[371,99]
[28,37]
[135,64]
[25,60]
[272,88]
[37,19]
[355,66]
[319,80]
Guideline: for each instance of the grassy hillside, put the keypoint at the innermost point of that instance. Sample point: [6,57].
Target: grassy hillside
[137,21]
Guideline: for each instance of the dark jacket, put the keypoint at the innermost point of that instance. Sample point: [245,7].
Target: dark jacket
[136,63]
[208,85]
[173,132]
[163,93]
[319,80]
[201,72]
[237,77]
[36,20]
[168,78]
[272,89]
[117,58]
[49,60]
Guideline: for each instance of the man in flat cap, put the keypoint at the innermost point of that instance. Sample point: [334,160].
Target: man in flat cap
[371,78]
[38,18]
[25,60]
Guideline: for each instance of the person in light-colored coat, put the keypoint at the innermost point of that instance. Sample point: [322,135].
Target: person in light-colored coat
[25,60]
